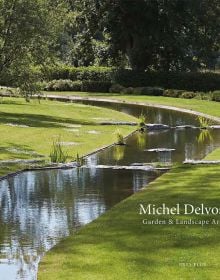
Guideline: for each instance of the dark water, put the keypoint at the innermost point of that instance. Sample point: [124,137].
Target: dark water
[188,143]
[37,209]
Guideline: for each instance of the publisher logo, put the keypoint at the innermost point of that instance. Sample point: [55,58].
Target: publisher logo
[192,264]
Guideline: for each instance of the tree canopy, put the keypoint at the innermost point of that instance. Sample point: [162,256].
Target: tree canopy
[162,35]
[28,31]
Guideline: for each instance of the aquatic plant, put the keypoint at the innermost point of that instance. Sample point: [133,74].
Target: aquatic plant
[57,155]
[79,160]
[142,120]
[119,138]
[204,122]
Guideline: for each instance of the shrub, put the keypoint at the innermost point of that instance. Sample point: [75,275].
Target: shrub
[68,85]
[172,93]
[66,72]
[116,88]
[155,91]
[57,85]
[129,90]
[76,86]
[188,95]
[63,85]
[94,74]
[216,96]
[204,95]
[95,86]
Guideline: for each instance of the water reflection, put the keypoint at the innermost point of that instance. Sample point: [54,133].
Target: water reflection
[153,115]
[164,157]
[118,152]
[37,209]
[184,142]
[189,143]
[141,140]
[205,136]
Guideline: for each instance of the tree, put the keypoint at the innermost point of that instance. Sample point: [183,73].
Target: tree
[28,31]
[84,42]
[163,34]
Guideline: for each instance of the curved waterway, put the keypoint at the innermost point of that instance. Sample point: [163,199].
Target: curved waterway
[39,208]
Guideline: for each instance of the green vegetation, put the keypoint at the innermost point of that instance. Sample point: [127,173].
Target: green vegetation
[119,137]
[215,155]
[57,155]
[154,48]
[141,34]
[84,85]
[142,120]
[79,160]
[105,79]
[204,123]
[28,33]
[139,48]
[28,129]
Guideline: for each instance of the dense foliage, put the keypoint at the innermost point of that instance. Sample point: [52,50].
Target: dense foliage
[28,32]
[152,40]
[165,35]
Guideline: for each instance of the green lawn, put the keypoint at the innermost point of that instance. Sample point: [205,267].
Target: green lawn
[118,246]
[28,129]
[215,155]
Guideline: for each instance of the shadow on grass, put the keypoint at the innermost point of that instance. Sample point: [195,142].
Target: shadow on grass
[15,151]
[11,102]
[39,120]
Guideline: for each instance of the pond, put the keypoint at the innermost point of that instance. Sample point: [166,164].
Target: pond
[39,208]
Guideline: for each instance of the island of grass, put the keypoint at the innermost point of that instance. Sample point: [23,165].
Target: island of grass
[28,130]
[119,245]
[203,106]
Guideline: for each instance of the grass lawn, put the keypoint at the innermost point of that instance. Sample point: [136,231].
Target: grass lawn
[215,155]
[28,129]
[119,246]
[203,106]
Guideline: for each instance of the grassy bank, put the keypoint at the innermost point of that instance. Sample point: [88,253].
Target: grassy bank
[28,129]
[203,106]
[119,246]
[215,155]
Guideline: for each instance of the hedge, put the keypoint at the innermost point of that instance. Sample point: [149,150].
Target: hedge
[65,72]
[190,81]
[178,80]
[68,85]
